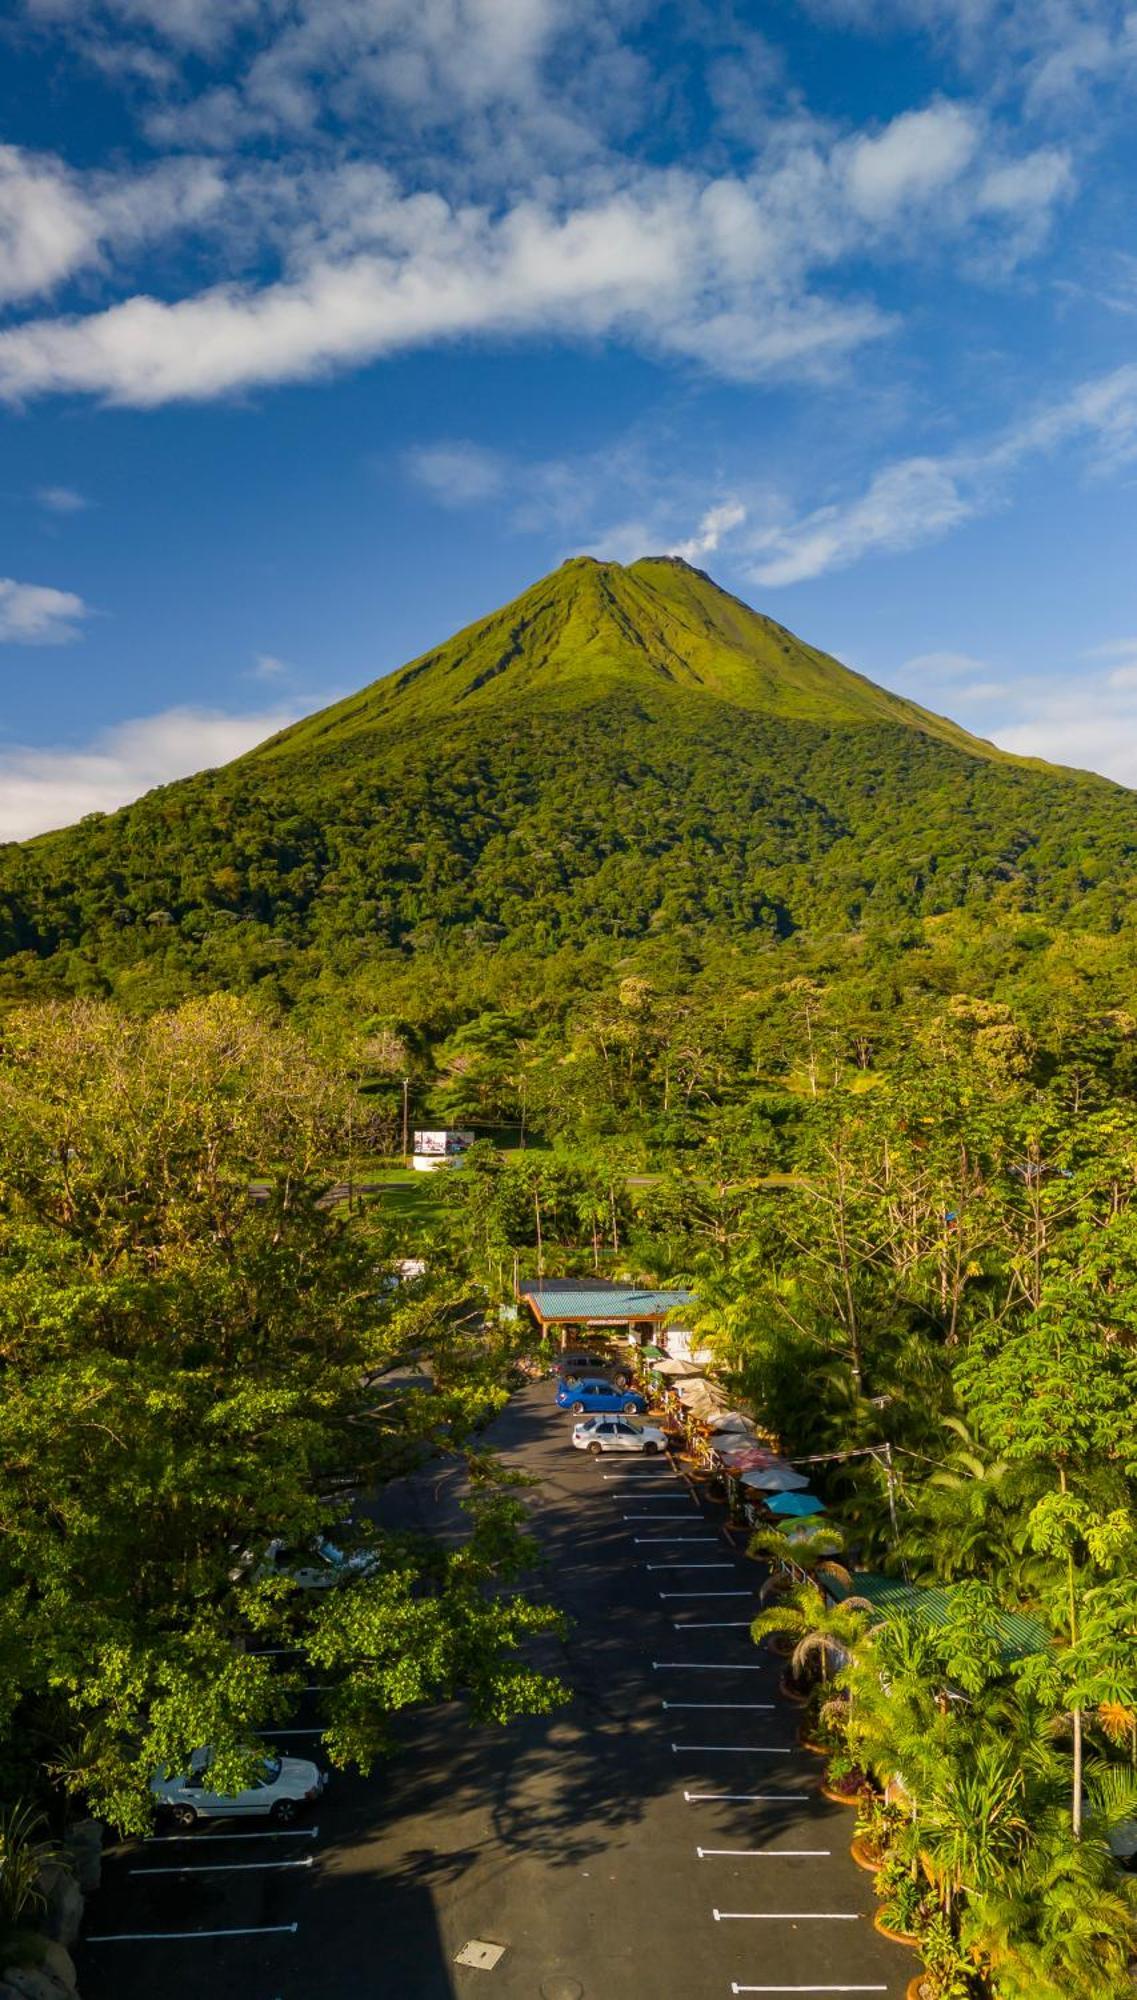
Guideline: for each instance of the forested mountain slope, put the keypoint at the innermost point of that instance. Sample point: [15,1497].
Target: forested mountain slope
[618,755]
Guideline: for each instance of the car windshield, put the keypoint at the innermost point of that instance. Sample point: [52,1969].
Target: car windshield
[269,1771]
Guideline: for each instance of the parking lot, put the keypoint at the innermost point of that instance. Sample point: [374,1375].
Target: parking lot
[664,1835]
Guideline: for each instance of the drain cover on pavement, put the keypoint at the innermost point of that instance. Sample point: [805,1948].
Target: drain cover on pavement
[479,1953]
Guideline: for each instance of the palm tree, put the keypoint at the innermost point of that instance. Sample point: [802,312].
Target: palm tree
[809,1554]
[820,1627]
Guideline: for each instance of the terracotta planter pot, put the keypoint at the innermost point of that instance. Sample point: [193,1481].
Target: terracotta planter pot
[897,1937]
[865,1856]
[811,1744]
[783,1647]
[841,1798]
[915,1988]
[789,1692]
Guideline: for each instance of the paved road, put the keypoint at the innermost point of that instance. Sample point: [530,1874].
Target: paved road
[595,1846]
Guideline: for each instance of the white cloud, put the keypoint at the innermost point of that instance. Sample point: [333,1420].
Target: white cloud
[42,789]
[55,222]
[266,667]
[1093,727]
[61,499]
[905,504]
[457,474]
[919,153]
[716,522]
[723,269]
[944,666]
[917,500]
[33,614]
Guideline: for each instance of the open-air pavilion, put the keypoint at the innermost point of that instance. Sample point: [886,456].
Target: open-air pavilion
[567,1306]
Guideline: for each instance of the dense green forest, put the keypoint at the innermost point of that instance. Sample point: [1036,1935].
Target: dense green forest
[749,975]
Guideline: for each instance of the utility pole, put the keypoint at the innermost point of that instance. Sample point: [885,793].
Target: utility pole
[406,1099]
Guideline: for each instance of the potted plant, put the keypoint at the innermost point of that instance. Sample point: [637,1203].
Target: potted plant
[879,1820]
[903,1911]
[949,1972]
[845,1781]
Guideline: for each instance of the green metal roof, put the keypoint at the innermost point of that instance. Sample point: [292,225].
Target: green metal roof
[597,1299]
[1018,1635]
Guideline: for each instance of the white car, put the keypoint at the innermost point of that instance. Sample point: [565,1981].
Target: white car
[282,1787]
[615,1433]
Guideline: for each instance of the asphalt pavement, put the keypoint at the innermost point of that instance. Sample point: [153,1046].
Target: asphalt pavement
[663,1838]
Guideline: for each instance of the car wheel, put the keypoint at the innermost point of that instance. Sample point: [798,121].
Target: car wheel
[650,1449]
[184,1816]
[578,1409]
[283,1812]
[630,1407]
[595,1450]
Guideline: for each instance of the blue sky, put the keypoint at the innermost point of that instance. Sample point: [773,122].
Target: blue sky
[328,325]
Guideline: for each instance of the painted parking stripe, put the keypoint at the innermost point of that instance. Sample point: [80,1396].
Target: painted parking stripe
[745,1799]
[171,1937]
[219,1867]
[683,1565]
[171,1839]
[657,1517]
[274,1733]
[764,1853]
[718,1704]
[731,1749]
[736,1988]
[712,1625]
[691,1541]
[786,1916]
[702,1595]
[709,1666]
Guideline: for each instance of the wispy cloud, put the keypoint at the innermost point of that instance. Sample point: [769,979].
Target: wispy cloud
[61,499]
[917,500]
[33,614]
[267,667]
[457,474]
[45,788]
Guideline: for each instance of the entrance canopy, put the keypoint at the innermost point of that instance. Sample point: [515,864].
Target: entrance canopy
[597,1302]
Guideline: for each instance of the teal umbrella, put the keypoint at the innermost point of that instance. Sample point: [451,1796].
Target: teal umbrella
[794,1503]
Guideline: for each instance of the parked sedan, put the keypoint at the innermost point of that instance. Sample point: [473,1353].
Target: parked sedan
[597,1434]
[574,1365]
[595,1395]
[282,1786]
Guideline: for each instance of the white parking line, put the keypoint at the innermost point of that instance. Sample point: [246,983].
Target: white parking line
[786,1916]
[764,1853]
[168,1839]
[690,1541]
[736,1988]
[709,1666]
[657,1517]
[274,1733]
[743,1799]
[170,1937]
[704,1594]
[718,1704]
[730,1749]
[712,1625]
[683,1565]
[219,1867]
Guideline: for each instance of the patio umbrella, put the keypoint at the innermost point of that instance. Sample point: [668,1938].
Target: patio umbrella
[795,1503]
[732,1420]
[739,1457]
[775,1479]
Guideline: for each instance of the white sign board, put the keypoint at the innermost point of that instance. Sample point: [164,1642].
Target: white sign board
[442,1145]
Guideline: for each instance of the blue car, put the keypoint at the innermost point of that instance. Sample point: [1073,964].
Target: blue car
[593,1393]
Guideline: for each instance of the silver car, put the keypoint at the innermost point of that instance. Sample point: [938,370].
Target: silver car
[281,1789]
[616,1433]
